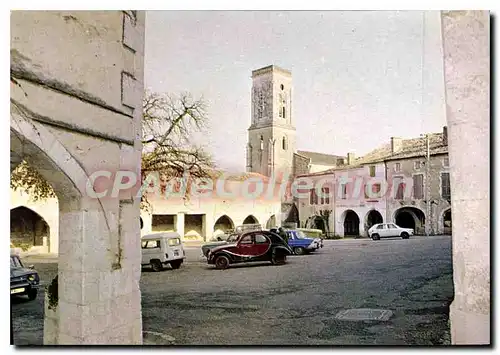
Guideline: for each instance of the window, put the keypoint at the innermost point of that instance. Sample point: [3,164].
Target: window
[397,167]
[344,192]
[282,87]
[249,155]
[313,197]
[174,241]
[247,239]
[445,186]
[417,165]
[375,190]
[260,239]
[391,226]
[372,170]
[418,186]
[326,193]
[446,162]
[151,244]
[261,143]
[284,143]
[380,227]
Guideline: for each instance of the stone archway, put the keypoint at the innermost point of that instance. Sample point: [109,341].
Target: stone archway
[318,222]
[351,223]
[373,217]
[410,217]
[87,246]
[271,222]
[447,223]
[28,229]
[250,219]
[222,225]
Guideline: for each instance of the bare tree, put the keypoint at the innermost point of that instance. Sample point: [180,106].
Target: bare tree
[168,122]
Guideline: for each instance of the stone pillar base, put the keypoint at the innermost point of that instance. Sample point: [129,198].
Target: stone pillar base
[468,328]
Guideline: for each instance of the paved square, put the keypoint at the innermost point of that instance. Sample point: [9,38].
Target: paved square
[361,314]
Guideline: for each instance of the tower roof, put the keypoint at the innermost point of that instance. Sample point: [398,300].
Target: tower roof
[271,69]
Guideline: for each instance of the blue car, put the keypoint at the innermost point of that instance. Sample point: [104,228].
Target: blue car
[301,243]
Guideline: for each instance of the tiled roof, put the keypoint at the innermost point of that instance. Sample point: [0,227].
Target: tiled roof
[320,158]
[413,147]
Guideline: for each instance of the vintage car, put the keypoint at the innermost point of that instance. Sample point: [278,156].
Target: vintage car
[250,247]
[160,249]
[23,281]
[302,244]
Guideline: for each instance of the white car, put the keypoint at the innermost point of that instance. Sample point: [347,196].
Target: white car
[160,249]
[389,230]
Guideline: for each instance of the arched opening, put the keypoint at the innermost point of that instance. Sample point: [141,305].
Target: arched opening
[319,223]
[351,223]
[250,220]
[271,222]
[411,217]
[373,217]
[223,225]
[28,229]
[447,222]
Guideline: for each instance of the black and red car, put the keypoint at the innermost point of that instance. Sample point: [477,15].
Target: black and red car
[251,247]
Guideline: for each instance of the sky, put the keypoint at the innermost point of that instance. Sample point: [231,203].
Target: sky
[359,77]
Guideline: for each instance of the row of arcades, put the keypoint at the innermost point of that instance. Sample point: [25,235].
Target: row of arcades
[356,223]
[29,229]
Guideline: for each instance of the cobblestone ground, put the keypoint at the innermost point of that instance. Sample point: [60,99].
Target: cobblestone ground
[294,304]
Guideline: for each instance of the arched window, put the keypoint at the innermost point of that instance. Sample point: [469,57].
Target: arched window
[284,143]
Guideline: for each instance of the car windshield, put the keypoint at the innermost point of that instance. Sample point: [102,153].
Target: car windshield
[301,235]
[15,262]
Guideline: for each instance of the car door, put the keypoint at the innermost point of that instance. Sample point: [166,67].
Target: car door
[393,230]
[150,250]
[381,230]
[261,244]
[245,246]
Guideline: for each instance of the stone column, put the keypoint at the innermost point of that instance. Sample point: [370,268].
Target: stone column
[466,38]
[179,224]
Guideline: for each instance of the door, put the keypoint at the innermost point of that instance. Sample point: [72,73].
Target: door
[150,250]
[393,230]
[381,230]
[245,246]
[262,244]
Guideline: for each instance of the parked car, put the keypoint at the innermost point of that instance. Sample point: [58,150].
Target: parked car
[301,243]
[23,281]
[251,247]
[311,233]
[389,230]
[232,238]
[161,249]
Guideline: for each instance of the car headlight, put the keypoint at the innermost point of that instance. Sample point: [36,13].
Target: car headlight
[31,278]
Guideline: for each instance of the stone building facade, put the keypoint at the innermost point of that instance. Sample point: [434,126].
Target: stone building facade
[389,184]
[76,107]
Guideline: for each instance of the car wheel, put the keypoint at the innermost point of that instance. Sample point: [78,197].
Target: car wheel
[278,258]
[156,265]
[375,236]
[32,295]
[299,251]
[405,235]
[176,264]
[221,262]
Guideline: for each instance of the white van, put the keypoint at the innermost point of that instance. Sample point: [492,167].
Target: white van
[160,249]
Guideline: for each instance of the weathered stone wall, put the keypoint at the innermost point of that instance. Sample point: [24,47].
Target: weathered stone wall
[466,40]
[76,102]
[438,204]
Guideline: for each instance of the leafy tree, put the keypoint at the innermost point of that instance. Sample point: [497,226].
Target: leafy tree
[168,121]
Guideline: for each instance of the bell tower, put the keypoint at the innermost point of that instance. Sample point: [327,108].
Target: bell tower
[271,135]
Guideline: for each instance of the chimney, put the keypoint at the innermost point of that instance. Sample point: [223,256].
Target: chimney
[350,158]
[445,135]
[396,144]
